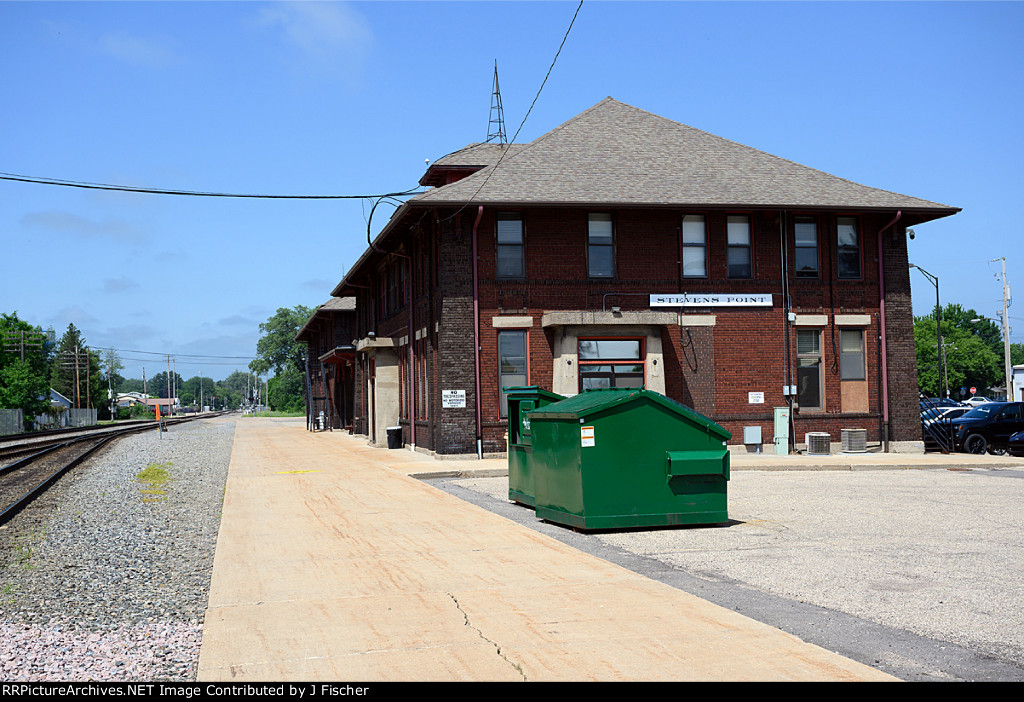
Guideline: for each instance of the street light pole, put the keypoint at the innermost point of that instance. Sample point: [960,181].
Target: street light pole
[934,280]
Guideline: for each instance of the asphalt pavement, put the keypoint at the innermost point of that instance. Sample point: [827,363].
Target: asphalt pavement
[909,564]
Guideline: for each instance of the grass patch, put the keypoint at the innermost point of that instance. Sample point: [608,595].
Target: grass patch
[23,553]
[7,593]
[276,413]
[154,476]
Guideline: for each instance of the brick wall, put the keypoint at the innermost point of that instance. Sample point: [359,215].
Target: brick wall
[710,368]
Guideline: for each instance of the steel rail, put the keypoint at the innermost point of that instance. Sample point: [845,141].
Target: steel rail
[102,438]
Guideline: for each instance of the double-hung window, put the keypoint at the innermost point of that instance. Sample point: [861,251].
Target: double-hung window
[851,354]
[848,247]
[600,246]
[808,371]
[512,370]
[611,363]
[511,261]
[695,263]
[805,234]
[738,250]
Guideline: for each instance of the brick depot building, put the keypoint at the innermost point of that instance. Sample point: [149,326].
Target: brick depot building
[622,249]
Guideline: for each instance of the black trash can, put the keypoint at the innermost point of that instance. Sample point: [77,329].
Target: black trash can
[394,437]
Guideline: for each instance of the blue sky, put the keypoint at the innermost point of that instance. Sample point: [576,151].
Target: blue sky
[325,98]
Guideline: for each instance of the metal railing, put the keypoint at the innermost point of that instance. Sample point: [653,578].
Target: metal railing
[937,433]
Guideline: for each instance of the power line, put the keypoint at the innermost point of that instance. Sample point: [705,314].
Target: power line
[191,193]
[535,97]
[174,355]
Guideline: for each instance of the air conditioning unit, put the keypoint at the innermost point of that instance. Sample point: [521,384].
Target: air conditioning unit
[855,440]
[818,443]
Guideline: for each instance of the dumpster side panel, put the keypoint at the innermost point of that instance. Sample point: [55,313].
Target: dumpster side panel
[520,475]
[521,401]
[557,470]
[625,478]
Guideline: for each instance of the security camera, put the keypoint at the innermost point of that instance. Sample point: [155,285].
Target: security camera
[910,233]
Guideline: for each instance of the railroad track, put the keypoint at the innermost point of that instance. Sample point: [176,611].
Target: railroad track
[39,465]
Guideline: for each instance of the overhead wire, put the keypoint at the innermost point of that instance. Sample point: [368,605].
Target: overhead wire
[191,193]
[523,122]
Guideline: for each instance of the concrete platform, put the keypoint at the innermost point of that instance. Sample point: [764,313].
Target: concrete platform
[334,564]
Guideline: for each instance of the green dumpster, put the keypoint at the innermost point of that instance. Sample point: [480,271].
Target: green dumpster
[620,458]
[520,443]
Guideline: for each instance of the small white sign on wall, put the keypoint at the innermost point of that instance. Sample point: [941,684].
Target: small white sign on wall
[755,398]
[587,436]
[453,398]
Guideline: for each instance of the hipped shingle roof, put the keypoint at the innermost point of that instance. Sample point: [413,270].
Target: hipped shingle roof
[616,154]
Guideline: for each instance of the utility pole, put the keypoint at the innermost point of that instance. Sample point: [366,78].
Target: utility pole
[1006,335]
[169,382]
[78,382]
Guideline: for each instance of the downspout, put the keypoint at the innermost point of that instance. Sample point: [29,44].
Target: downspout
[476,336]
[412,361]
[786,307]
[881,323]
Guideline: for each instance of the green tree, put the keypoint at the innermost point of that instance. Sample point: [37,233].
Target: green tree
[277,347]
[972,350]
[157,385]
[233,388]
[197,391]
[76,372]
[277,350]
[25,352]
[113,367]
[286,391]
[133,385]
[23,388]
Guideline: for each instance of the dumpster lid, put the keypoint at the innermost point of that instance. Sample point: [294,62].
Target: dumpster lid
[590,401]
[532,391]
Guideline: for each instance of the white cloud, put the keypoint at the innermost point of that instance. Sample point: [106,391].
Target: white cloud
[139,51]
[77,225]
[118,285]
[320,285]
[332,35]
[239,320]
[71,315]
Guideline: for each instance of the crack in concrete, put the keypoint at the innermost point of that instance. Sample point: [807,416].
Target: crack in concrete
[497,648]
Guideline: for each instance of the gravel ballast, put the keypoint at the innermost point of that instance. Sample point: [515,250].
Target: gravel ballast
[107,576]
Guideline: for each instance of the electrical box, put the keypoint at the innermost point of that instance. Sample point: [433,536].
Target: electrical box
[752,435]
[782,431]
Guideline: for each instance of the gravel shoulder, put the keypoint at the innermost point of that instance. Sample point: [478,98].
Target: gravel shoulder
[106,577]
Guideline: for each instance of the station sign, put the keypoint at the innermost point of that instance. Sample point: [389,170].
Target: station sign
[712,300]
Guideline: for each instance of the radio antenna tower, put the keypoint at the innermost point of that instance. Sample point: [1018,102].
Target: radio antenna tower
[496,126]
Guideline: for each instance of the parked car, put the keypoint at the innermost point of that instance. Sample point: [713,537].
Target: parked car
[988,427]
[976,400]
[1016,444]
[943,414]
[944,402]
